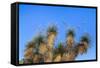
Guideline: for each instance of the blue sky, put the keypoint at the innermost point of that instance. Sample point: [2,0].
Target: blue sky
[34,20]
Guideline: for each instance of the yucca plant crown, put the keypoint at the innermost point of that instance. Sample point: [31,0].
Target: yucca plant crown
[71,32]
[85,38]
[52,29]
[30,45]
[38,40]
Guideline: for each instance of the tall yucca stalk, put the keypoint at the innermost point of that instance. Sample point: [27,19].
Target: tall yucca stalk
[70,51]
[51,34]
[84,44]
[70,38]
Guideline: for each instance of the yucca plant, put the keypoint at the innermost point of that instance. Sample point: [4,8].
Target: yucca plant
[70,38]
[85,39]
[30,45]
[41,42]
[51,34]
[84,44]
[29,52]
[38,40]
[52,30]
[71,32]
[40,47]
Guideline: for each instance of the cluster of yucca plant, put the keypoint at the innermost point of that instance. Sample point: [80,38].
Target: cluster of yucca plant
[41,48]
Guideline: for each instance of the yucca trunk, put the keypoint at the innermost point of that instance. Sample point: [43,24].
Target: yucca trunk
[82,48]
[86,45]
[50,43]
[48,57]
[28,55]
[42,48]
[36,58]
[70,56]
[50,40]
[67,57]
[42,52]
[57,58]
[70,41]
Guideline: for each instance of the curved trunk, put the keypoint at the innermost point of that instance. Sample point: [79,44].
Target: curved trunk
[83,48]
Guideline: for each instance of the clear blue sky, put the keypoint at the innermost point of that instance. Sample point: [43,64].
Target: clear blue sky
[35,19]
